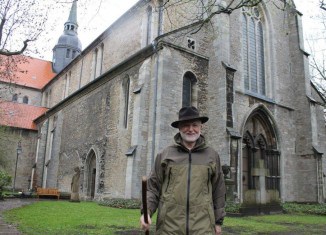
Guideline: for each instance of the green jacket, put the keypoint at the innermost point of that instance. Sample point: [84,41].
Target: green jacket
[188,189]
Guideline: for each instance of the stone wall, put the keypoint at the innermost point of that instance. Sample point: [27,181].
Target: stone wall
[9,142]
[8,90]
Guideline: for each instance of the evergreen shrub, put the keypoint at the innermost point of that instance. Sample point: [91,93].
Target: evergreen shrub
[121,203]
[304,208]
[5,180]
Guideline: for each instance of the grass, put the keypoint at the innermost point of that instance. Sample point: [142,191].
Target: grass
[276,224]
[63,217]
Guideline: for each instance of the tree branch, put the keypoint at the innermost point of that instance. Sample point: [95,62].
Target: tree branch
[322,5]
[10,53]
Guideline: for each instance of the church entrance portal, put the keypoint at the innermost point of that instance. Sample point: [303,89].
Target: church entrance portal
[260,161]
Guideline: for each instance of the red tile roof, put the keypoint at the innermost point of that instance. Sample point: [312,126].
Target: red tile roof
[19,115]
[32,72]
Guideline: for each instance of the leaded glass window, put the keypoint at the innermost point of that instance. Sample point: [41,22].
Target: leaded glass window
[253,51]
[189,79]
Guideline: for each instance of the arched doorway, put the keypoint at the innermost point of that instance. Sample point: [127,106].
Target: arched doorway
[260,160]
[91,175]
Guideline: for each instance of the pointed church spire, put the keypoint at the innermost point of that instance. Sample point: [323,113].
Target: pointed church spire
[71,25]
[73,13]
[69,45]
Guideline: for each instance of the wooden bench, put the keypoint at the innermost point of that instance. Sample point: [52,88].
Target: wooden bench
[47,192]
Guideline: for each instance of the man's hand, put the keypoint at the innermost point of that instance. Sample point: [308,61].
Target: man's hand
[218,230]
[143,225]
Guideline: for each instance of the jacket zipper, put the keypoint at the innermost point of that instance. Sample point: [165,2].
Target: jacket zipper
[188,195]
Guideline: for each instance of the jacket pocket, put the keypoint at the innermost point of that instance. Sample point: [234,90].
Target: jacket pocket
[202,219]
[170,181]
[160,217]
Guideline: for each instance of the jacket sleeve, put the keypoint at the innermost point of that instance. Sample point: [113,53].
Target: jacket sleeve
[218,192]
[154,185]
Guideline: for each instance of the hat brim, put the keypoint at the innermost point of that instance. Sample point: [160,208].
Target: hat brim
[176,123]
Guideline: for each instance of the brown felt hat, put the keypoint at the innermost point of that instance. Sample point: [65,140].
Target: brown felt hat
[187,114]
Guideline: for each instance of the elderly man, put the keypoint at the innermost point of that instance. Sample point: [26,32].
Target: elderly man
[186,183]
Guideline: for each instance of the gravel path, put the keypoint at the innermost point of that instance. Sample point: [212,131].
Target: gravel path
[8,204]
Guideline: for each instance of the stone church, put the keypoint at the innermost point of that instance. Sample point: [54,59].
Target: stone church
[110,105]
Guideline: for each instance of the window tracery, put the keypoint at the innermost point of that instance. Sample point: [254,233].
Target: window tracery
[253,51]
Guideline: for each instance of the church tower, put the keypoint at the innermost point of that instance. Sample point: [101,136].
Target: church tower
[69,45]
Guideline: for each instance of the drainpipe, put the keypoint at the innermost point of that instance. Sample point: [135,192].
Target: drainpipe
[159,32]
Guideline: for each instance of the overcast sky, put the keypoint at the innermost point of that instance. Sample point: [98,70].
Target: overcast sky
[92,25]
[92,21]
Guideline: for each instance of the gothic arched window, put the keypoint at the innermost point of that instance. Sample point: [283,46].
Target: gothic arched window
[125,87]
[98,61]
[253,51]
[101,58]
[95,62]
[189,80]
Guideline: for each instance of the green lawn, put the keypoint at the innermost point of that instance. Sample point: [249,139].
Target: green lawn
[276,224]
[63,217]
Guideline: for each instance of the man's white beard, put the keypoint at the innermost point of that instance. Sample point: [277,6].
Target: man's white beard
[189,138]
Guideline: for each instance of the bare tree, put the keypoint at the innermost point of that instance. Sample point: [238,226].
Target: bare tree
[318,69]
[204,11]
[21,22]
[323,5]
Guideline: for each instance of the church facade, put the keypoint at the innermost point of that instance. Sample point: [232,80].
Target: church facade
[111,107]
